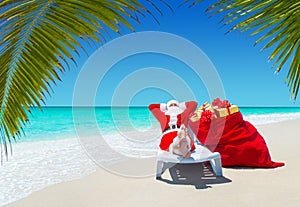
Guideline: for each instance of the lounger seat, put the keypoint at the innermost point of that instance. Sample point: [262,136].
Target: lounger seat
[166,159]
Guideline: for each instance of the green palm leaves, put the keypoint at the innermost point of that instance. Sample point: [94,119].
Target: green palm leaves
[37,40]
[276,22]
[279,21]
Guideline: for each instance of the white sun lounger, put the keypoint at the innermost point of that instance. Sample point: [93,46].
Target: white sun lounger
[166,159]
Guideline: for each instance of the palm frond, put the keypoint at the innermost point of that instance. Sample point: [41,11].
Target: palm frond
[274,21]
[38,38]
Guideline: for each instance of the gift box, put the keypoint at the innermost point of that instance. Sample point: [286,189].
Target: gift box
[195,117]
[224,108]
[205,107]
[222,112]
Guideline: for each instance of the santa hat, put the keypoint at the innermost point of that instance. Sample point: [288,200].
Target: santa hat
[172,102]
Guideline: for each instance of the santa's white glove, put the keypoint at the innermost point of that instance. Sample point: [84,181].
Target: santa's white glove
[163,107]
[182,105]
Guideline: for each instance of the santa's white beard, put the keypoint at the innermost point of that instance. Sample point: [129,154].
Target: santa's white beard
[173,110]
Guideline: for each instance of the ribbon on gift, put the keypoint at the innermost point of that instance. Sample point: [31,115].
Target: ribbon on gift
[221,104]
[206,116]
[226,105]
[217,102]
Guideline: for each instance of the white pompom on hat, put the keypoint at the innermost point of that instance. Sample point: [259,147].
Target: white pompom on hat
[172,102]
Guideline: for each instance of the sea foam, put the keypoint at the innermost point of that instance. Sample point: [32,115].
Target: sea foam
[35,165]
[262,119]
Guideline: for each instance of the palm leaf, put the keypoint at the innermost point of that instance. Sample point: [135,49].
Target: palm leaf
[276,22]
[38,39]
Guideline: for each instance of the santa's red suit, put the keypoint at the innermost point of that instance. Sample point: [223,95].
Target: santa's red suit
[171,118]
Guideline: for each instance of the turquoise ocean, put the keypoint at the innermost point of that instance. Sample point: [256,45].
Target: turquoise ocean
[53,123]
[50,152]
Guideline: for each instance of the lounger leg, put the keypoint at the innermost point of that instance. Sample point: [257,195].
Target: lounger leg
[216,165]
[159,169]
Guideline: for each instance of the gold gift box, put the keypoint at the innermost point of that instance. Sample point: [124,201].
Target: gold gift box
[222,112]
[194,118]
[205,107]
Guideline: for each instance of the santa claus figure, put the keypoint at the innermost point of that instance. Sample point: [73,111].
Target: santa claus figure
[173,117]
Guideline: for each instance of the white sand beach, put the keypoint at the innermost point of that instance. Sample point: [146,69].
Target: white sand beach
[239,186]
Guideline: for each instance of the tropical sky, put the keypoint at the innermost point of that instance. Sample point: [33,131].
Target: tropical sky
[248,78]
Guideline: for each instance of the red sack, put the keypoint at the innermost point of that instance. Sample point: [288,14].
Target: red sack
[238,141]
